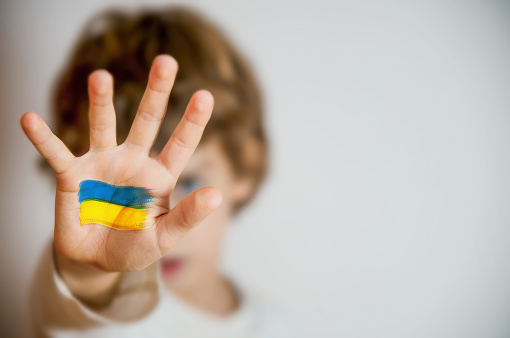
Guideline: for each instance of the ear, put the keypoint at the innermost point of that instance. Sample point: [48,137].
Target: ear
[244,185]
[243,188]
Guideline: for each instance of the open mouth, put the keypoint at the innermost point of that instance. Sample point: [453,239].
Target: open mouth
[171,266]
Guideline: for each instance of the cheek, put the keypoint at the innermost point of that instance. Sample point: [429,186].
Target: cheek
[201,249]
[206,239]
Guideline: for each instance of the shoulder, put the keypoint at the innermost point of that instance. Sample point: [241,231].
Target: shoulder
[273,319]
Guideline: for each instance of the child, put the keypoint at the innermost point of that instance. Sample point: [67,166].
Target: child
[202,167]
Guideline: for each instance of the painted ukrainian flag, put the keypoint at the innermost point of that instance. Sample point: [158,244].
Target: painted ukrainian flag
[118,207]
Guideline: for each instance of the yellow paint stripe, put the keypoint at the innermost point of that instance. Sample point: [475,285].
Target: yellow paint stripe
[112,215]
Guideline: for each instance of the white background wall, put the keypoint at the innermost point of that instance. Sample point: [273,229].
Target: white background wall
[387,213]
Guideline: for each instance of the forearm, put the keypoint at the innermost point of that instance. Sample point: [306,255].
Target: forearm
[62,300]
[88,283]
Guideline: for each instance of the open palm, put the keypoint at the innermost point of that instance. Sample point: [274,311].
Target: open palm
[127,164]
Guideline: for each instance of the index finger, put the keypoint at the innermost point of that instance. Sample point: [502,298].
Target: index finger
[188,133]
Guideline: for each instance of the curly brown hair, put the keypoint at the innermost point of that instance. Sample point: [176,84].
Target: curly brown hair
[125,44]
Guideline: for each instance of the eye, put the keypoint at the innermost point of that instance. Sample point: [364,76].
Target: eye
[188,184]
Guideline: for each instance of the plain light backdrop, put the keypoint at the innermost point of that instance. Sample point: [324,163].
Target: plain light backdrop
[387,210]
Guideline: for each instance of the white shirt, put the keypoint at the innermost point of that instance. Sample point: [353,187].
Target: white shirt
[142,307]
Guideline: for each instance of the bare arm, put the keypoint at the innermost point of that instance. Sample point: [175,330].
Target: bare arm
[92,285]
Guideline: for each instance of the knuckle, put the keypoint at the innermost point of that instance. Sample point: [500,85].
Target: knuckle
[159,90]
[148,116]
[177,140]
[101,103]
[186,222]
[194,120]
[101,127]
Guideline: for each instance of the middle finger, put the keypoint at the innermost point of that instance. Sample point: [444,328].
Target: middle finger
[153,106]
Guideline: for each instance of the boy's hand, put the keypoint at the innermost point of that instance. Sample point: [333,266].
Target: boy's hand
[127,164]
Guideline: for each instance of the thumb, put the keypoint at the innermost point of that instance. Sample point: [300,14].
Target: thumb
[187,214]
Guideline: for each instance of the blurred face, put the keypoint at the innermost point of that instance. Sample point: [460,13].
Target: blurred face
[195,259]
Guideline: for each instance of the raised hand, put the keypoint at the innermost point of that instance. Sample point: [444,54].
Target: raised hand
[127,164]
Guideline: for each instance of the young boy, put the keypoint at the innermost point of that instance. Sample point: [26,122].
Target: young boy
[202,168]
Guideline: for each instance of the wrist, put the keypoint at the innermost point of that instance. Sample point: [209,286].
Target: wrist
[86,281]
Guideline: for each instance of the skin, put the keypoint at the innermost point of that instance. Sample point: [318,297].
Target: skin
[199,281]
[91,258]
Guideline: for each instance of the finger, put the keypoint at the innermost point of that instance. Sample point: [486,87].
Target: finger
[188,133]
[46,143]
[187,214]
[101,113]
[152,108]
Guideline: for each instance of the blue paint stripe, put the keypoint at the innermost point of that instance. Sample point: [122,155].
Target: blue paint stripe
[121,195]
